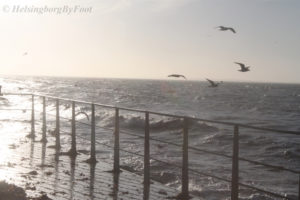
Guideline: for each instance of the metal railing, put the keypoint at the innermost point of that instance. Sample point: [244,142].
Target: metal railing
[185,146]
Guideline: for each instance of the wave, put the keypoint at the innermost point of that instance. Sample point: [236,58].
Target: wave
[160,125]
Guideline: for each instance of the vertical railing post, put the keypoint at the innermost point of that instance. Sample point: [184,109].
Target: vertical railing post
[235,165]
[147,151]
[117,143]
[32,118]
[57,129]
[185,162]
[73,151]
[93,137]
[44,121]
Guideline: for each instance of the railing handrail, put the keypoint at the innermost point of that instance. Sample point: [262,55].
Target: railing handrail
[163,114]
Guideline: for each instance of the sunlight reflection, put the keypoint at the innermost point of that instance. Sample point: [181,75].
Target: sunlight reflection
[10,138]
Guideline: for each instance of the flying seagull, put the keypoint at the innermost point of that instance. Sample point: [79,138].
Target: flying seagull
[224,28]
[243,67]
[177,76]
[213,83]
[87,116]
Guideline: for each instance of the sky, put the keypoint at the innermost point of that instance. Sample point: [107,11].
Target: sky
[149,39]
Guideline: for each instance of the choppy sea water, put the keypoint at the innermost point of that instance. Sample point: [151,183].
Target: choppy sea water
[258,104]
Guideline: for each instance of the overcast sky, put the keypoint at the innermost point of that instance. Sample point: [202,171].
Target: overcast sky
[152,38]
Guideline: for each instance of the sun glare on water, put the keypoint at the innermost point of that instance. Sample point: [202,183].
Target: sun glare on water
[13,129]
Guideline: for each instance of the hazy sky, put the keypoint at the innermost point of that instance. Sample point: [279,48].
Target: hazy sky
[152,38]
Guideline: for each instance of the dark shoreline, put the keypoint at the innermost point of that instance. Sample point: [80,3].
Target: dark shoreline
[13,192]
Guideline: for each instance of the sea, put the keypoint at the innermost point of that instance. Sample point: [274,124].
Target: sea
[268,105]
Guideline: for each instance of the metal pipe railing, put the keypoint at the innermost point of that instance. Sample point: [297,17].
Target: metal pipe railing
[147,151]
[57,128]
[73,150]
[178,116]
[93,137]
[185,162]
[185,169]
[235,166]
[44,129]
[32,135]
[117,143]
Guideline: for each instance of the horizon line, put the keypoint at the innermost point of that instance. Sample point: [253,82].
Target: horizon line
[158,79]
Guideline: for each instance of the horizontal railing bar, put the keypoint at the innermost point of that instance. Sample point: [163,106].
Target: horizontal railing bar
[16,94]
[16,109]
[168,115]
[196,172]
[270,166]
[126,151]
[64,99]
[196,149]
[212,152]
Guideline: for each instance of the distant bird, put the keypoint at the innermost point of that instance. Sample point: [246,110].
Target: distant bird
[177,76]
[243,67]
[25,54]
[87,116]
[224,28]
[213,83]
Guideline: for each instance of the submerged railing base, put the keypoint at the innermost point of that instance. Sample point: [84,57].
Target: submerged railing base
[91,161]
[182,196]
[72,153]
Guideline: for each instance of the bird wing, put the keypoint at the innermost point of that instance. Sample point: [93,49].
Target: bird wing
[183,76]
[87,116]
[210,81]
[240,64]
[232,30]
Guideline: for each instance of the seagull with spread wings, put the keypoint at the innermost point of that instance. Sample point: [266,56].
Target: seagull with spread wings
[213,83]
[177,76]
[244,68]
[84,113]
[224,28]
